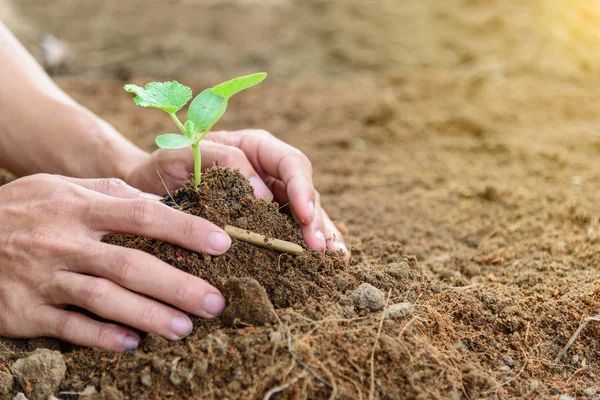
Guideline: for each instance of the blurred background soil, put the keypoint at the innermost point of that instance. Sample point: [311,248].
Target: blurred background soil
[461,132]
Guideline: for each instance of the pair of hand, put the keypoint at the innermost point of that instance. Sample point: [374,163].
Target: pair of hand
[51,254]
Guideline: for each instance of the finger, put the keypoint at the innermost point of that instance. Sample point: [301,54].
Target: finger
[313,233]
[233,157]
[78,329]
[112,187]
[335,240]
[142,273]
[109,300]
[272,157]
[156,220]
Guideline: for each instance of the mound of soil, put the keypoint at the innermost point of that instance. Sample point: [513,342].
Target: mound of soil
[226,198]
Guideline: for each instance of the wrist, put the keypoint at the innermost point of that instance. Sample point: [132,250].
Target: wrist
[114,155]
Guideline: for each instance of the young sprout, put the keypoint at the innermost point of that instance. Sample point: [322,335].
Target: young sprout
[203,112]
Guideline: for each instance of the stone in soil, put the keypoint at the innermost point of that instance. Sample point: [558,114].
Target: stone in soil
[399,310]
[247,303]
[6,381]
[367,296]
[40,373]
[19,396]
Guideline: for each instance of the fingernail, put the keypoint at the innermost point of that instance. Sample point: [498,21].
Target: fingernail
[214,304]
[181,326]
[219,242]
[342,247]
[311,212]
[150,196]
[260,189]
[319,235]
[130,343]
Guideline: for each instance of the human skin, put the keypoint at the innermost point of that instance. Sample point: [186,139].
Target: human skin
[80,180]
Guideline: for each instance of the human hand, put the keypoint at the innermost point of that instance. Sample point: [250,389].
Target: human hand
[51,256]
[275,169]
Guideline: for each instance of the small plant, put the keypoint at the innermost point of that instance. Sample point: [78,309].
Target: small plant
[203,112]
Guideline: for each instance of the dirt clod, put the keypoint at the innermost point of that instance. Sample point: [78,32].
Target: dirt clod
[399,310]
[40,373]
[367,296]
[589,392]
[6,381]
[247,303]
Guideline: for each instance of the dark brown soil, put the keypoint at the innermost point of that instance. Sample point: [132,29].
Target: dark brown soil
[226,198]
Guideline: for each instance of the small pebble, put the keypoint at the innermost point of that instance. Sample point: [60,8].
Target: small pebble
[508,360]
[275,337]
[590,392]
[566,397]
[88,391]
[146,377]
[399,310]
[367,296]
[575,359]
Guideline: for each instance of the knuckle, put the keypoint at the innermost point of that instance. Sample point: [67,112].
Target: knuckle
[95,294]
[182,289]
[126,266]
[111,186]
[189,228]
[233,156]
[141,213]
[300,157]
[66,327]
[149,316]
[45,237]
[104,335]
[261,133]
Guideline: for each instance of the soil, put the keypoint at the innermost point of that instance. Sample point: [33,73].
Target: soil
[226,198]
[450,138]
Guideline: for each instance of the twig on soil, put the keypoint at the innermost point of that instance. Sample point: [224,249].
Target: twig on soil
[372,361]
[302,363]
[295,357]
[575,336]
[263,241]
[457,288]
[509,380]
[281,388]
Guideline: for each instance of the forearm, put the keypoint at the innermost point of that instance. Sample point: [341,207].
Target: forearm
[44,130]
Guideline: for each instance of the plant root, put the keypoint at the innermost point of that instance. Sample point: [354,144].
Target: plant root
[263,241]
[575,336]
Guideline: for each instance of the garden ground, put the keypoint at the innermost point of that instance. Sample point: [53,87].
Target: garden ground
[457,148]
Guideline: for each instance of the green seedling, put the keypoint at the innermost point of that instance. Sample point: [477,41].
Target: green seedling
[203,113]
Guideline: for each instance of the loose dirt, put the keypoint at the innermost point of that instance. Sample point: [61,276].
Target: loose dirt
[462,157]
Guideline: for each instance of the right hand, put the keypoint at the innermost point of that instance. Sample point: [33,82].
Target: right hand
[51,256]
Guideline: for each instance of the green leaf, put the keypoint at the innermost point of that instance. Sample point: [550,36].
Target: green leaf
[168,96]
[189,129]
[173,141]
[229,88]
[205,108]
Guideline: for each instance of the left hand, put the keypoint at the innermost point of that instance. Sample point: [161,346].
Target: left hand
[275,169]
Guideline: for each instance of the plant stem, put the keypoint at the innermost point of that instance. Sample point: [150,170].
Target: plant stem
[197,163]
[178,123]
